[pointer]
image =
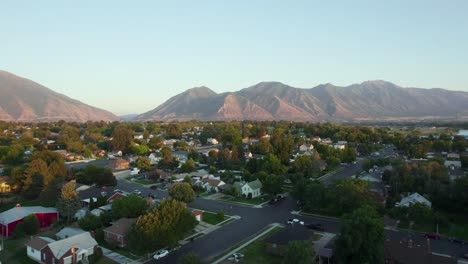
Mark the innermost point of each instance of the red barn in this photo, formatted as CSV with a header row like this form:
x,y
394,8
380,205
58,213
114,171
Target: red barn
x,y
10,218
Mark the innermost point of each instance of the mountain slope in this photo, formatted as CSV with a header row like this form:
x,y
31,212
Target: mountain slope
x,y
24,100
370,100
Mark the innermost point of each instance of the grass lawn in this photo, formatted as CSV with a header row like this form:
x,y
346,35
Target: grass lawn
x,y
255,252
212,218
205,194
144,181
254,201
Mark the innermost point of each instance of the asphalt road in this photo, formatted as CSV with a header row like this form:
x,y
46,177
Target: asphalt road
x,y
253,220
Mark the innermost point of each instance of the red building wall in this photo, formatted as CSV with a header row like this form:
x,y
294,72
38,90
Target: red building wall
x,y
45,220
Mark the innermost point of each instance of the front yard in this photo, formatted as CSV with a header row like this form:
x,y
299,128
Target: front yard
x,y
253,201
255,252
213,218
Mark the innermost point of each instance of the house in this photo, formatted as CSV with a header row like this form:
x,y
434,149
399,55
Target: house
x,y
253,188
4,184
306,147
115,196
35,245
212,141
463,133
180,155
414,198
120,164
117,232
453,155
212,185
67,232
277,243
408,251
198,215
452,164
10,218
339,145
74,249
155,158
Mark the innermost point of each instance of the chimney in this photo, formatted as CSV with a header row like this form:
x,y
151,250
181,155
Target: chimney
x,y
93,234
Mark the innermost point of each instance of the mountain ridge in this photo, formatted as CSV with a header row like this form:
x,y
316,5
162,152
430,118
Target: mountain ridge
x,y
368,100
25,100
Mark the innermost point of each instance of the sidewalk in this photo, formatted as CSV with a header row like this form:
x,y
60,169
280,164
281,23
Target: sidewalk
x,y
117,257
272,226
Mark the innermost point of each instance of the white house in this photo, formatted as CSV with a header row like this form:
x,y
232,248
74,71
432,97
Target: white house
x,y
245,188
414,198
306,147
67,232
452,164
35,245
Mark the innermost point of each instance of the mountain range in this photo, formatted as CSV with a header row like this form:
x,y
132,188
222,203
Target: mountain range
x,y
24,100
370,100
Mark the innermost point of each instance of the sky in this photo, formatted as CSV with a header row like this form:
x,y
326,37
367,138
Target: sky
x,y
130,56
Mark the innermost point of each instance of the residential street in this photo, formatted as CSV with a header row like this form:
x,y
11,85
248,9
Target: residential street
x,y
253,220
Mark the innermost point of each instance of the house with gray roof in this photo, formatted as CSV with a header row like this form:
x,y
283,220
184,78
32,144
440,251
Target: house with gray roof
x,y
254,188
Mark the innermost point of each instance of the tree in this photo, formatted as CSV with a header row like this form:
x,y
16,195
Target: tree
x,y
143,163
190,258
163,226
33,186
31,224
188,166
298,252
68,203
90,222
121,138
130,206
362,237
273,184
182,191
155,143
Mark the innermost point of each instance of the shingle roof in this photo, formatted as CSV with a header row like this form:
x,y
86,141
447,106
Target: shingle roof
x,y
121,226
18,213
81,241
255,184
39,242
69,232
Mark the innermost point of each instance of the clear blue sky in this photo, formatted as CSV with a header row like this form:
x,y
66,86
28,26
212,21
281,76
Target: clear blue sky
x,y
130,56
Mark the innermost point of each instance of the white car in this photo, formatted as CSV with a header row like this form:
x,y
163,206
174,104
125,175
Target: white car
x,y
238,255
295,221
137,192
233,259
161,254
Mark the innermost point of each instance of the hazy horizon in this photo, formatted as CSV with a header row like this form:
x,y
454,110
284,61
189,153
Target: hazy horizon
x,y
140,56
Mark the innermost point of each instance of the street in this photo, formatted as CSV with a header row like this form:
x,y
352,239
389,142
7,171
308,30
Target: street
x,y
253,220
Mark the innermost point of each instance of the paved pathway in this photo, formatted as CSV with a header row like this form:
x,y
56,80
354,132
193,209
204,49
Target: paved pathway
x,y
117,257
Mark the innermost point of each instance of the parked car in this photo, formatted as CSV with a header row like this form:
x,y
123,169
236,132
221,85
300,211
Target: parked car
x,y
273,201
233,259
117,190
295,221
154,187
432,236
161,254
317,227
238,255
456,240
279,197
137,192
465,256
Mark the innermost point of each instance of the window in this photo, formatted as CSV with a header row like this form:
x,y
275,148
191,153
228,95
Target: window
x,y
32,250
